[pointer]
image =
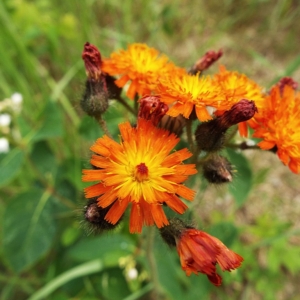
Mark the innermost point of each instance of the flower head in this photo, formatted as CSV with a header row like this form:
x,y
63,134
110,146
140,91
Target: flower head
x,y
235,86
278,123
141,171
198,251
187,92
139,64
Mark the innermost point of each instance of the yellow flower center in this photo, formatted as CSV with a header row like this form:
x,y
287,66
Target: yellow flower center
x,y
141,172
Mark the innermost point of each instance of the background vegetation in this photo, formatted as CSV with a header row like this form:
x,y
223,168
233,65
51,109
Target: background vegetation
x,y
45,252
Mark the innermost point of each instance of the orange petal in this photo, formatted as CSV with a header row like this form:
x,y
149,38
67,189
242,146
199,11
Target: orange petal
x,y
117,210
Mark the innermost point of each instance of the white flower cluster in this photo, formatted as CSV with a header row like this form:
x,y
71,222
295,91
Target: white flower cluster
x,y
9,106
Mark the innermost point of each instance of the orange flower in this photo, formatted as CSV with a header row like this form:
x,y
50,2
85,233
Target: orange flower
x,y
278,123
141,171
235,86
187,92
199,252
139,64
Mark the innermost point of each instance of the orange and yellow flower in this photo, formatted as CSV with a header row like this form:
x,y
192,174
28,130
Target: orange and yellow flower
x,y
139,171
139,64
199,252
278,123
186,92
235,86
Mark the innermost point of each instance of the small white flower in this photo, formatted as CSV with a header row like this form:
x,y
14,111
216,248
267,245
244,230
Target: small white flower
x,y
4,145
132,273
16,100
5,120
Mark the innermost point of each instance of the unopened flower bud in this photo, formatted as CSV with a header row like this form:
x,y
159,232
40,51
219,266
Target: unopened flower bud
x,y
210,136
217,169
99,86
242,111
92,61
173,124
95,216
152,109
287,81
206,61
95,98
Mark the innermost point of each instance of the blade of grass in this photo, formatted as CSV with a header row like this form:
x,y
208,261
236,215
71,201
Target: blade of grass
x,y
88,268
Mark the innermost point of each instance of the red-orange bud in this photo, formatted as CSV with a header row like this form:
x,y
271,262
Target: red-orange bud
x,y
92,61
242,111
206,61
287,81
152,109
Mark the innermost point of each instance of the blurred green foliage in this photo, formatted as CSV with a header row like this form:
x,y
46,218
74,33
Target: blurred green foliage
x,y
45,253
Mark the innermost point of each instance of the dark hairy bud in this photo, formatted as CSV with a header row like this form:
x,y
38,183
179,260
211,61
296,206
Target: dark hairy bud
x,y
173,231
217,169
95,216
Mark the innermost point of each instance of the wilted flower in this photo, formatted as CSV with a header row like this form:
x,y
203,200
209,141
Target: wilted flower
x,y
199,252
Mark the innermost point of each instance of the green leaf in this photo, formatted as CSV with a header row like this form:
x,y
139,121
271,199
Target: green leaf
x,y
43,158
10,165
242,182
28,228
169,271
89,129
52,123
106,246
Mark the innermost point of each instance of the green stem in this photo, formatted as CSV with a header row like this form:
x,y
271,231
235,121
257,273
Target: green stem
x,y
103,125
126,105
152,263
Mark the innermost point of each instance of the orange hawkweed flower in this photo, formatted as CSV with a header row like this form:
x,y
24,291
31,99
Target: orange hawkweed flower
x,y
141,171
278,123
139,64
187,92
199,252
235,86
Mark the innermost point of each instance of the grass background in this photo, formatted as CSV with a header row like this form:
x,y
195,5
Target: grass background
x,y
41,194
